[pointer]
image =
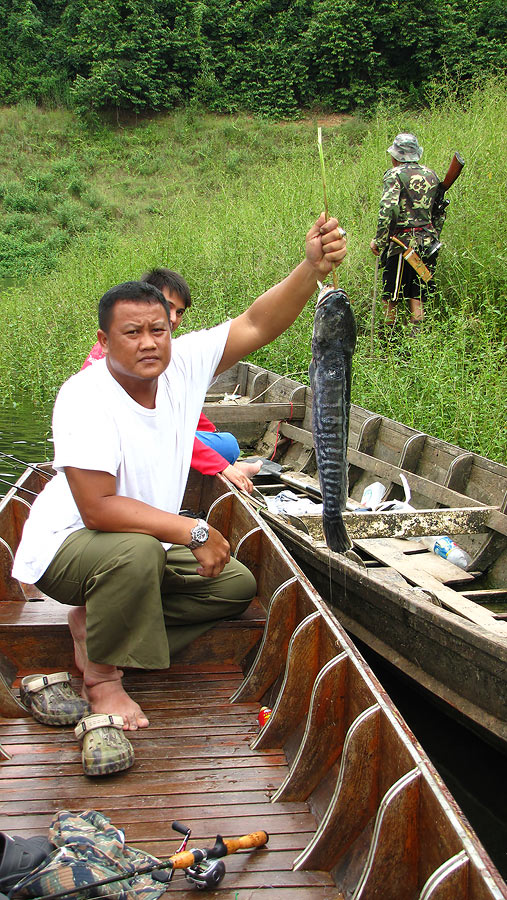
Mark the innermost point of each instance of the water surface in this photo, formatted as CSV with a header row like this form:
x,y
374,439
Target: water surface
x,y
25,433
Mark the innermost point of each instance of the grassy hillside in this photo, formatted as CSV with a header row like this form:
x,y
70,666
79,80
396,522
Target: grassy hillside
x,y
227,201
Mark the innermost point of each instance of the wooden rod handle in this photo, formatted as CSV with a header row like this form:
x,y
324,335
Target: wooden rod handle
x,y
247,842
185,858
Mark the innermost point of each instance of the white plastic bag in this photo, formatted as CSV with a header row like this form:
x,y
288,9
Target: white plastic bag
x,y
372,495
398,505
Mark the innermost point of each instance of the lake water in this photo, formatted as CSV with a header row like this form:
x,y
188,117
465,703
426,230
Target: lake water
x,y
25,433
473,771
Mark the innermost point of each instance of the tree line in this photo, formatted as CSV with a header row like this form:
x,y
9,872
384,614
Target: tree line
x,y
268,57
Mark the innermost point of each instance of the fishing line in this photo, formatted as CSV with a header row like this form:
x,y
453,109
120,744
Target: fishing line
x,y
329,575
25,464
118,893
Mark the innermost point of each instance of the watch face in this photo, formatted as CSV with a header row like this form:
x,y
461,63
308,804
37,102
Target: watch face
x,y
200,533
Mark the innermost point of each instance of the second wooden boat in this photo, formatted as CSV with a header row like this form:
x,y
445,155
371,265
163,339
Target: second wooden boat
x,y
443,627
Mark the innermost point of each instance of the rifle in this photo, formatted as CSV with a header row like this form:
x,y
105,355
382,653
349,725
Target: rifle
x,y
440,202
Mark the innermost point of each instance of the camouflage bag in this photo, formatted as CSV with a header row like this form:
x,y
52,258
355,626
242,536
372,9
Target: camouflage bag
x,y
90,849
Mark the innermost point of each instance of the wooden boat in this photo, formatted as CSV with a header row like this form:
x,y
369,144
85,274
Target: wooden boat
x,y
352,805
443,627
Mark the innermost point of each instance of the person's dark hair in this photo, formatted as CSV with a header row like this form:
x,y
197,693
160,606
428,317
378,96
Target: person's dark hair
x,y
130,290
166,278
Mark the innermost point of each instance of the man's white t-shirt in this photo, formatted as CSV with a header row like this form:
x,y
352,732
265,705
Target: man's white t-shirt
x,y
98,426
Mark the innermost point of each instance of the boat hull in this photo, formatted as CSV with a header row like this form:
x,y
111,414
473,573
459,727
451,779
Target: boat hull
x,y
461,664
421,614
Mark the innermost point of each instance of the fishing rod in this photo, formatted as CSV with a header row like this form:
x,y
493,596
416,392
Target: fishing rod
x,y
25,464
204,869
18,487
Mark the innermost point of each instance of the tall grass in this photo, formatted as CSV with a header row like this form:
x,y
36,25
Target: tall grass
x,y
227,202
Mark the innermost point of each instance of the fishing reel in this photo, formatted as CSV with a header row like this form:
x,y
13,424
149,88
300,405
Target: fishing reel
x,y
206,868
206,874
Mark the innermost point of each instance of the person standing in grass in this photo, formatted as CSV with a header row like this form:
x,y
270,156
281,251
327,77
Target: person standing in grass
x,y
214,451
105,536
406,206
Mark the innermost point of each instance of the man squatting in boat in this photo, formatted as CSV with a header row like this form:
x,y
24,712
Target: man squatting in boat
x,y
213,451
105,536
408,194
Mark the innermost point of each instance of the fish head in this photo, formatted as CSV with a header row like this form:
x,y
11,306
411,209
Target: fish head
x,y
324,290
334,318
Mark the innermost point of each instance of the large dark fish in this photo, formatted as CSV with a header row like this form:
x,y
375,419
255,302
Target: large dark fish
x,y
333,343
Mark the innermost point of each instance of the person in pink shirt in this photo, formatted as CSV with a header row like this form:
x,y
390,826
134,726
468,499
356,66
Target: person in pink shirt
x,y
214,451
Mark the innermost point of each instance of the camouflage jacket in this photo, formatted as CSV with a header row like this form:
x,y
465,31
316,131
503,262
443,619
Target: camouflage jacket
x,y
88,849
408,194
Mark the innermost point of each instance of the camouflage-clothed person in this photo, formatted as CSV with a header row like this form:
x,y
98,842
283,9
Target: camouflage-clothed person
x,y
408,213
89,849
408,193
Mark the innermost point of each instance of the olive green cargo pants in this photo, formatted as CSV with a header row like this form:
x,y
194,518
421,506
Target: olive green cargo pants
x,y
142,602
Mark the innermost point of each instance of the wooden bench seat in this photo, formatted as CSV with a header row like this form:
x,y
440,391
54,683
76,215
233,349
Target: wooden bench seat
x,y
35,633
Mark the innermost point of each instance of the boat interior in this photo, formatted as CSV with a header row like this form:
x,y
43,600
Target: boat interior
x,y
454,492
351,803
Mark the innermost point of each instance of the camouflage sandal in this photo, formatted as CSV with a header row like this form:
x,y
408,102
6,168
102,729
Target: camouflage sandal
x,y
106,749
52,700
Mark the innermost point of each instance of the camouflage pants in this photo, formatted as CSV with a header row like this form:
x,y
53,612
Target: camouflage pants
x,y
142,602
90,849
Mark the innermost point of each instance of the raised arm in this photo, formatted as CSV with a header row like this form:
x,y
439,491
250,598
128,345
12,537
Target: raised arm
x,y
275,310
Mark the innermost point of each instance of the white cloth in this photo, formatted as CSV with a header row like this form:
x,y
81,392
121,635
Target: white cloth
x,y
98,426
293,504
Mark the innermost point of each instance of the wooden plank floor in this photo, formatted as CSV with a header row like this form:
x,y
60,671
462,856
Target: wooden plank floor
x,y
193,763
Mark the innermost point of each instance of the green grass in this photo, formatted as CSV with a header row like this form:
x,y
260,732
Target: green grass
x,y
227,201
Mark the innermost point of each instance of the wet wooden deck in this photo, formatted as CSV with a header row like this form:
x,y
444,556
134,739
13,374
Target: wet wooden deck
x,y
193,764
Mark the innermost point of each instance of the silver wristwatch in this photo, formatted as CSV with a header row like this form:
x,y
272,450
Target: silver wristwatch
x,y
199,535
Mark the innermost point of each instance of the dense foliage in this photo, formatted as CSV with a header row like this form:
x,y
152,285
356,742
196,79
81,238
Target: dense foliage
x,y
226,200
271,57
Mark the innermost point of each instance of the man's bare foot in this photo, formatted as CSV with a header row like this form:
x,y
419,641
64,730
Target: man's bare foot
x,y
77,623
102,687
249,469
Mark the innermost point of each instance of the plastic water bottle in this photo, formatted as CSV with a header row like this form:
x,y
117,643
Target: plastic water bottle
x,y
447,549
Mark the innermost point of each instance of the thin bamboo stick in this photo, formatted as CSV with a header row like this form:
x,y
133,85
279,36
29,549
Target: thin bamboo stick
x,y
323,171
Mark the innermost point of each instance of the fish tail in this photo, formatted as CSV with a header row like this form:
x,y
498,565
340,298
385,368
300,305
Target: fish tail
x,y
336,535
